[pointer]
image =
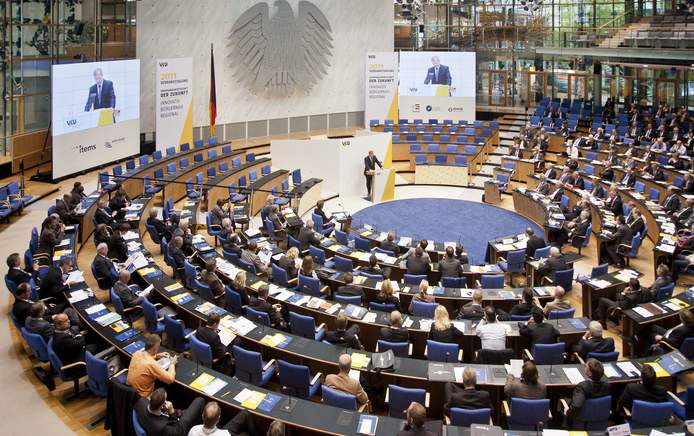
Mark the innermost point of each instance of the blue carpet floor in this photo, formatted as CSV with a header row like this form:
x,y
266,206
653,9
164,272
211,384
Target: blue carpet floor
x,y
440,219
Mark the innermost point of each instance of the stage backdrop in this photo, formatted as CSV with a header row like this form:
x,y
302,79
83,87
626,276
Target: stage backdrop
x,y
174,84
438,85
95,114
273,59
381,87
339,162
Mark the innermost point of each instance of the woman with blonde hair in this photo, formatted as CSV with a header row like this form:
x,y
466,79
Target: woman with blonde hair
x,y
442,329
423,295
307,267
385,294
288,262
239,286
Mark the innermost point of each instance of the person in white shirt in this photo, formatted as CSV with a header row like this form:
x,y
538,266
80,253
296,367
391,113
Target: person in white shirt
x,y
572,149
241,424
659,145
492,333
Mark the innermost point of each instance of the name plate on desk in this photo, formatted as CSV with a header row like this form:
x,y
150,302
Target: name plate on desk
x,y
619,430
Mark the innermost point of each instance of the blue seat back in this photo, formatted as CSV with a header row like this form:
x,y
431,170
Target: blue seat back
x,y
295,379
201,352
564,278
97,371
400,399
528,413
175,333
257,316
234,303
516,261
343,264
414,279
400,349
549,354
249,365
495,281
341,237
338,399
249,267
37,345
467,417
453,282
646,414
317,254
665,292
362,244
302,325
604,357
442,351
382,307
423,309
309,285
139,431
150,316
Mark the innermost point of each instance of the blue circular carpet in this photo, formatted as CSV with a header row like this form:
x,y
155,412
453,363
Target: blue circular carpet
x,y
445,220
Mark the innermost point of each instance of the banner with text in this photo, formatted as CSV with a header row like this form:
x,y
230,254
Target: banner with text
x,y
381,87
174,91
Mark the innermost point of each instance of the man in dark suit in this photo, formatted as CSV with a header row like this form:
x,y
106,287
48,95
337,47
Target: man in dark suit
x,y
68,345
208,334
101,93
53,283
468,397
647,390
671,203
538,331
636,222
633,295
438,74
473,310
161,228
37,321
593,387
348,337
613,202
611,243
685,213
117,248
126,294
177,255
418,264
629,178
390,245
350,289
534,242
157,416
555,262
106,271
21,308
395,332
260,304
593,342
416,416
676,335
103,215
307,236
370,163
607,173
598,191
65,211
449,266
14,271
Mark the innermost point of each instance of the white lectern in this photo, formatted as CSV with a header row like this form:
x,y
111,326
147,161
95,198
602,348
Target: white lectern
x,y
383,185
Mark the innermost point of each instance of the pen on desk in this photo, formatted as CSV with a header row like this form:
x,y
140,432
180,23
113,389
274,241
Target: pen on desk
x,y
225,394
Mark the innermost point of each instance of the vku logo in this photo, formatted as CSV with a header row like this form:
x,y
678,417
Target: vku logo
x,y
72,122
163,64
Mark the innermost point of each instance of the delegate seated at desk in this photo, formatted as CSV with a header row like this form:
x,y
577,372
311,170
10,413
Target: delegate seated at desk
x,y
422,296
344,383
144,370
560,302
538,331
473,310
593,387
646,390
492,333
593,342
394,332
342,335
469,397
555,262
612,241
633,295
442,329
349,289
418,264
157,416
528,386
675,336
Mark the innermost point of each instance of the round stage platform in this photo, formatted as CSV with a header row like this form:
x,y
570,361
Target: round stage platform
x,y
440,219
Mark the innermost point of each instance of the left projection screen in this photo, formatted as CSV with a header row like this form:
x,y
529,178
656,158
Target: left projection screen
x,y
95,114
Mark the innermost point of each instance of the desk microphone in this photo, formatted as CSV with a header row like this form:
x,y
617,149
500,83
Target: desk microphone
x,y
540,427
447,356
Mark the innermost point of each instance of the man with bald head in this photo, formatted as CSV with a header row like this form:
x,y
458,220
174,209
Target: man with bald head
x,y
69,345
343,383
416,416
560,301
395,332
126,294
555,262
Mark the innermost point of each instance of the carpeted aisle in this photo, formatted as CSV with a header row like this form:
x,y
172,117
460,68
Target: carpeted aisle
x,y
441,219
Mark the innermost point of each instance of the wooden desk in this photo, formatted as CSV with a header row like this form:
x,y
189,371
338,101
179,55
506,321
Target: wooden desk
x,y
441,174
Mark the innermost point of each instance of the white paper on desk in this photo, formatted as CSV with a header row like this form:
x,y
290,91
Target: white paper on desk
x,y
354,374
214,386
459,325
666,248
515,368
130,235
406,241
629,369
574,375
75,276
507,241
241,325
303,300
146,291
77,296
408,322
284,295
643,312
274,289
458,371
65,241
334,308
610,370
655,432
243,395
425,324
549,432
225,336
95,308
369,317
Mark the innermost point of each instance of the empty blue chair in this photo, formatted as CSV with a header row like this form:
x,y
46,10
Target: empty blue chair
x,y
130,164
176,334
414,279
37,345
105,184
648,415
432,148
201,352
198,143
520,317
198,157
382,307
640,187
362,244
683,404
338,399
250,157
343,264
311,286
653,194
562,314
665,292
415,148
631,251
423,309
341,237
257,316
542,252
212,140
604,357
265,170
185,146
514,263
453,282
400,349
399,399
153,322
97,371
442,351
420,159
71,372
223,167
467,417
211,173
296,177
184,163
528,413
305,326
348,299
296,380
251,368
318,255
233,301
150,189
226,149
170,151
492,281
549,354
440,158
461,160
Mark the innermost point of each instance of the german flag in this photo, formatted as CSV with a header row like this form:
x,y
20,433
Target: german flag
x,y
213,93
